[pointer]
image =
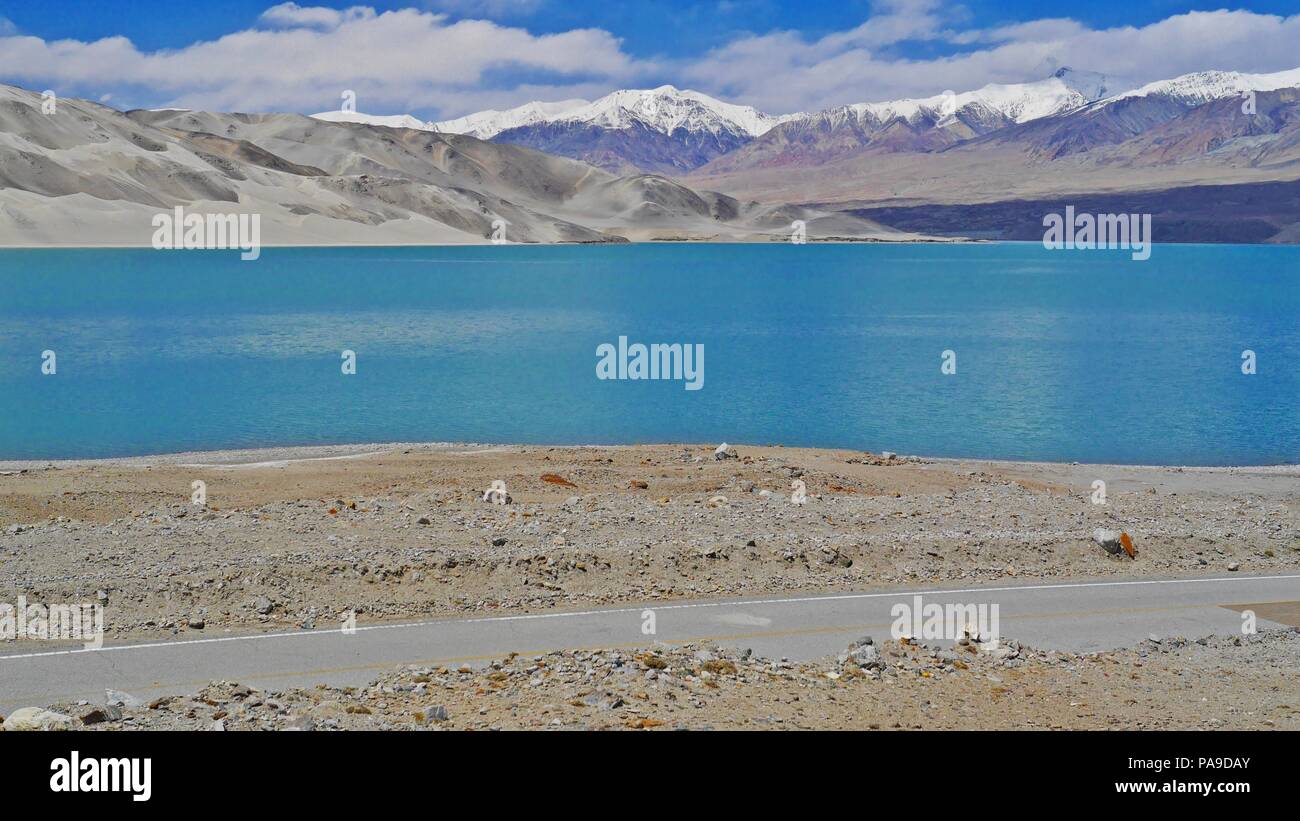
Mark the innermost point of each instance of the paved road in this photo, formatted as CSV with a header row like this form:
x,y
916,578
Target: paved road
x,y
1077,616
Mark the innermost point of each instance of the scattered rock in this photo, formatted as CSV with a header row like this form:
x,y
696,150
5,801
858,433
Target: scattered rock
x,y
725,451
1108,539
117,698
29,719
435,715
300,724
98,715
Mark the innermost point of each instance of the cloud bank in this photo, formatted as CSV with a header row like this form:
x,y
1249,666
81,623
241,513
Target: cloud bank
x,y
302,58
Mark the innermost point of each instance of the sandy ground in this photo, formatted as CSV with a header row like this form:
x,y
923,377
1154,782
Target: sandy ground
x,y
1245,683
292,537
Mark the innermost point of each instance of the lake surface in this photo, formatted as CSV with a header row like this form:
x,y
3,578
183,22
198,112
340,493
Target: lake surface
x,y
1061,355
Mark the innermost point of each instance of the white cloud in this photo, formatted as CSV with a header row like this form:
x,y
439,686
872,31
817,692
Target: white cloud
x,y
490,9
301,58
292,15
783,71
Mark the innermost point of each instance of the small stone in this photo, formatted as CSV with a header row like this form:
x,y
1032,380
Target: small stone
x,y
197,623
435,714
423,520
1234,567
1108,539
302,724
724,451
30,719
117,698
98,715
263,605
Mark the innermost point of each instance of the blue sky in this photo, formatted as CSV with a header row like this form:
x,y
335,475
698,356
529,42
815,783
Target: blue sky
x,y
442,58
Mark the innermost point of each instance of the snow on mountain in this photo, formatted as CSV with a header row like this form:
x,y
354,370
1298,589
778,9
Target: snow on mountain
x,y
1065,90
389,121
665,110
1204,86
487,124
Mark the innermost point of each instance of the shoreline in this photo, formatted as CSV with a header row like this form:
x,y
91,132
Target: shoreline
x,y
772,240
775,239
279,455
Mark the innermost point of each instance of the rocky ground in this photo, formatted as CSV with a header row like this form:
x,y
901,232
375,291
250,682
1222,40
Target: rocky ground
x,y
1247,682
294,539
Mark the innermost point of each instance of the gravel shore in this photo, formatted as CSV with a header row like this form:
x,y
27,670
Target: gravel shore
x,y
293,538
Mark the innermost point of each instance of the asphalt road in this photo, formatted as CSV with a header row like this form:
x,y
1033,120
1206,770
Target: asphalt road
x,y
1077,616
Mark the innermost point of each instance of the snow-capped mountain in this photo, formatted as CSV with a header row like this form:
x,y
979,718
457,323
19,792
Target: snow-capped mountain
x,y
389,121
487,124
910,125
665,110
678,132
661,130
992,106
1204,86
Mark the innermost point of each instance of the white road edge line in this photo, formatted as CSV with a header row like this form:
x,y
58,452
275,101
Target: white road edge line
x,y
613,611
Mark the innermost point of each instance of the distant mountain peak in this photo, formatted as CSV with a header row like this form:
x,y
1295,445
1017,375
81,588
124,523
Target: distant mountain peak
x,y
388,121
664,109
1065,90
1205,86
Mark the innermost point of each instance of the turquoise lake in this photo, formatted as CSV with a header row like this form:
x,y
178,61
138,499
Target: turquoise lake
x,y
1083,356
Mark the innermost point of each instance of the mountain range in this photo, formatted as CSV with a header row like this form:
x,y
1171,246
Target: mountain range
x,y
83,173
658,131
1215,153
665,130
1067,135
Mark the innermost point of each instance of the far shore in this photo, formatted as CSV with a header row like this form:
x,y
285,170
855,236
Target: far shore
x,y
764,240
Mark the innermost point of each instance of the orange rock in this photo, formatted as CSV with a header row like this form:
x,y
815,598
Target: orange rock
x,y
555,479
1128,545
